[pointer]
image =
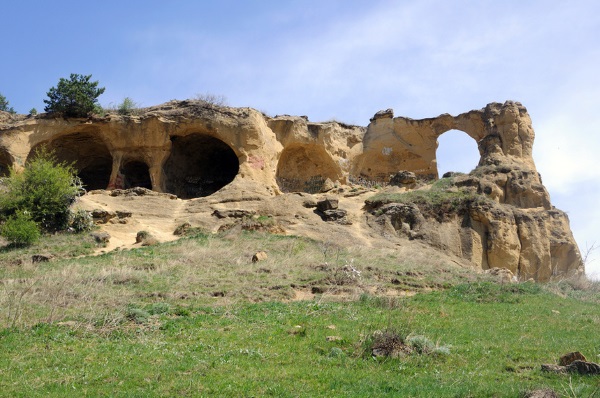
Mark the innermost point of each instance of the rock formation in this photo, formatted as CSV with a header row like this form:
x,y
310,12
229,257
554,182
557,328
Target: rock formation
x,y
193,149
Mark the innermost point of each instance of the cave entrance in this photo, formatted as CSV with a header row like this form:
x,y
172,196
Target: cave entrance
x,y
88,154
199,165
136,174
456,152
305,168
6,162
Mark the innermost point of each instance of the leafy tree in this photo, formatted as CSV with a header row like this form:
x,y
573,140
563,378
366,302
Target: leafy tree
x,y
44,190
76,97
4,105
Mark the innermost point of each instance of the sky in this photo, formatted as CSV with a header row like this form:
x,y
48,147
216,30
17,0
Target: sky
x,y
339,59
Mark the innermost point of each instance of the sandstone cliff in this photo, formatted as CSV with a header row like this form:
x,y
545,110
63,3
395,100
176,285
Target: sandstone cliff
x,y
499,215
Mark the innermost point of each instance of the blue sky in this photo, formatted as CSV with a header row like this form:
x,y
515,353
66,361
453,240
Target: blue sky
x,y
342,59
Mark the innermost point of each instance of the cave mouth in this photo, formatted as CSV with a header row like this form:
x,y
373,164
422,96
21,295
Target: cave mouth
x,y
305,168
87,153
136,174
5,163
199,165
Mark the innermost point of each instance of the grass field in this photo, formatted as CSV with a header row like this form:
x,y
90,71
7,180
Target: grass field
x,y
196,318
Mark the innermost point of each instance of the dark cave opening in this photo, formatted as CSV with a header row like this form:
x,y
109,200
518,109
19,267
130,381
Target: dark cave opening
x,y
136,174
199,165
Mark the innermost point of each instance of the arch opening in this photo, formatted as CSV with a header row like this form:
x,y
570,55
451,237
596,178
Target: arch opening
x,y
456,152
88,154
305,168
6,161
136,174
199,165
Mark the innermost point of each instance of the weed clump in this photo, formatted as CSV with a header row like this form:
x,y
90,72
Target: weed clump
x,y
137,315
394,343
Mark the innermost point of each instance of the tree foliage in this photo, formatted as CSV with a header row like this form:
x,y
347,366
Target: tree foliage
x,y
44,190
75,97
4,105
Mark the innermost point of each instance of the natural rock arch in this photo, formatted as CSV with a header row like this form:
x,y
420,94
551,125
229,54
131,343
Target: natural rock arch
x,y
305,168
135,174
199,165
456,151
6,161
87,153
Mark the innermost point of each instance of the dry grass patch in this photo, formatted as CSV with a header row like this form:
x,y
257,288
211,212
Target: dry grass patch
x,y
210,270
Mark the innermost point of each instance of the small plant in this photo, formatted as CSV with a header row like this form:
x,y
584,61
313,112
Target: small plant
x,y
75,97
127,107
212,99
393,343
137,315
421,344
81,220
33,112
20,230
159,308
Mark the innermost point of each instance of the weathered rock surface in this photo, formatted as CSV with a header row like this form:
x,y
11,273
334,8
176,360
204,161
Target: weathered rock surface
x,y
191,149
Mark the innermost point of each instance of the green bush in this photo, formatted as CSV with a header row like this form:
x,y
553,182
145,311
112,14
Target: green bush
x,y
33,112
45,190
127,107
20,230
76,97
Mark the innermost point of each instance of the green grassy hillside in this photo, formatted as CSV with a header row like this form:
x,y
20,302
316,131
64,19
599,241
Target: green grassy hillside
x,y
197,318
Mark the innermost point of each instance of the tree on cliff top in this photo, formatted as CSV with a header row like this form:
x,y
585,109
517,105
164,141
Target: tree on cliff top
x,y
76,97
4,105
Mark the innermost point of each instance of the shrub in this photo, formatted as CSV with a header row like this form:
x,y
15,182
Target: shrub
x,y
20,230
76,97
127,107
33,112
212,99
4,105
136,315
80,220
45,190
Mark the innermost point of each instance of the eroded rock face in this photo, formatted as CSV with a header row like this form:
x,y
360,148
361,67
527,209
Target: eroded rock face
x,y
194,149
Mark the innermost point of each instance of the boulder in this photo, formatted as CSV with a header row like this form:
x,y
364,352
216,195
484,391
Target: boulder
x,y
571,357
101,237
383,114
259,256
327,204
334,215
101,216
403,178
41,258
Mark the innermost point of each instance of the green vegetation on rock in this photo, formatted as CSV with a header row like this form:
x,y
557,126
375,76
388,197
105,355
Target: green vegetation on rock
x,y
74,97
4,105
